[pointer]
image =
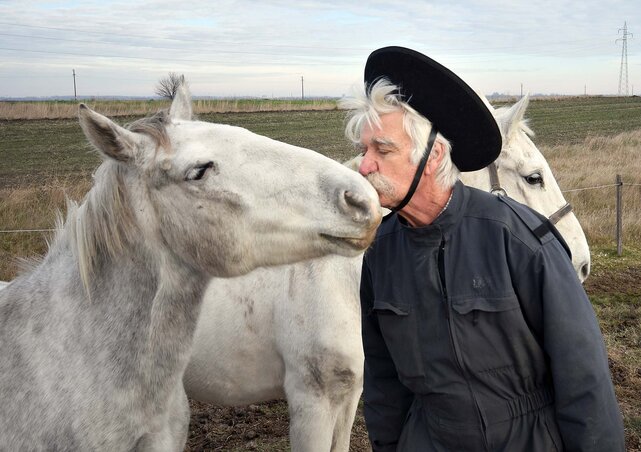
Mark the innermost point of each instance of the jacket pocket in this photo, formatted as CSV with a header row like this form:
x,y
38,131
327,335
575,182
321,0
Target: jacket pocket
x,y
499,304
399,327
494,338
386,308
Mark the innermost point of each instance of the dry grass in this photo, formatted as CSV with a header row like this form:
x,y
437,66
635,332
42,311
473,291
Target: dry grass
x,y
28,208
596,162
69,109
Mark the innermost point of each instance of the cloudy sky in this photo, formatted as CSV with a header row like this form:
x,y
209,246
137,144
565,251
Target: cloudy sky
x,y
263,48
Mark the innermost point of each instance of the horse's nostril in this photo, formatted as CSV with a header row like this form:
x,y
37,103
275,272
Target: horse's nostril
x,y
585,272
356,205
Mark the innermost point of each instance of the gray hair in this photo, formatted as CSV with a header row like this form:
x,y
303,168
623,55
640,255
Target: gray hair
x,y
383,97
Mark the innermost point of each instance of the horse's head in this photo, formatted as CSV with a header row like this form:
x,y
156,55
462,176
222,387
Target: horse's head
x,y
225,200
525,176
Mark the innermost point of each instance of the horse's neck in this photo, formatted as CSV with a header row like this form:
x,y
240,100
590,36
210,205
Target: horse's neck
x,y
162,300
478,179
139,309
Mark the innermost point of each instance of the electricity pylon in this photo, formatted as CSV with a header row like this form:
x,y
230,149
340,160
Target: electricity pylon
x,y
623,73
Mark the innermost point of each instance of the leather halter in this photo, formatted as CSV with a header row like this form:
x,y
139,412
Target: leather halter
x,y
496,189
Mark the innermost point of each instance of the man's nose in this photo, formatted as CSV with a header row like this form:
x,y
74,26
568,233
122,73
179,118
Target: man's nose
x,y
367,166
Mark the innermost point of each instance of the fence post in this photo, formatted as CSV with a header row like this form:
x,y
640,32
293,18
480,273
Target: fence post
x,y
619,184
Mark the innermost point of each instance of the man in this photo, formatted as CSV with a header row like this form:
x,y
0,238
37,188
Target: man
x,y
477,332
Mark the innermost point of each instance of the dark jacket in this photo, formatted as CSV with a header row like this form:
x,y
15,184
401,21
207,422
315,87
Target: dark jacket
x,y
479,336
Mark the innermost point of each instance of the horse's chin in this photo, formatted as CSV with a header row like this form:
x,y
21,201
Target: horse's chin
x,y
349,246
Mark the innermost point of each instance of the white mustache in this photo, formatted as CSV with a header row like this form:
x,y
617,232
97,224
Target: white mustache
x,y
382,185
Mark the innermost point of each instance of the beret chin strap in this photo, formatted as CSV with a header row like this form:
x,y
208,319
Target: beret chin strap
x,y
419,170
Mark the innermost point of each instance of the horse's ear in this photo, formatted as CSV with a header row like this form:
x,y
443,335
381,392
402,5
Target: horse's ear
x,y
181,105
513,116
108,137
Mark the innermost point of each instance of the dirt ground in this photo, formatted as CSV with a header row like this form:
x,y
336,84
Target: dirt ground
x,y
262,427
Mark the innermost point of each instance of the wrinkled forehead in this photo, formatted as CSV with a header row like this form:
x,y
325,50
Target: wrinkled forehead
x,y
389,129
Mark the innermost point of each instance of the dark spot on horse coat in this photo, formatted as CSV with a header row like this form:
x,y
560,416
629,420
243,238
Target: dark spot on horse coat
x,y
344,375
315,375
248,312
249,305
329,375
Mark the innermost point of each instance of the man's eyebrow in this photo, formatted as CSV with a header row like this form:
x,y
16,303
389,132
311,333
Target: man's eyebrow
x,y
384,142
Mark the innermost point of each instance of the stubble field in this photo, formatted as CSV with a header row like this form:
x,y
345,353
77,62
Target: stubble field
x,y
587,141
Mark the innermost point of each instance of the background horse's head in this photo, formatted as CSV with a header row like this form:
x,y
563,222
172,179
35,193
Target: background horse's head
x,y
221,198
524,175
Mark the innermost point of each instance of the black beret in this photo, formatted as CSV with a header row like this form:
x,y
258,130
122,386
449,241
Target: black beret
x,y
444,99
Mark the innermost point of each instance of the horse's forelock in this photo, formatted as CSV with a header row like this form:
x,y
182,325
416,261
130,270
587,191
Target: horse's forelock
x,y
153,126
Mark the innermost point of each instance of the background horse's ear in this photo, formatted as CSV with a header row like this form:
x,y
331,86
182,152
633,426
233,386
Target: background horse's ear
x,y
108,137
510,119
181,105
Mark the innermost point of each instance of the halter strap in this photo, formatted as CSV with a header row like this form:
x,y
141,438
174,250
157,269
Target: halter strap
x,y
419,170
496,189
556,216
494,180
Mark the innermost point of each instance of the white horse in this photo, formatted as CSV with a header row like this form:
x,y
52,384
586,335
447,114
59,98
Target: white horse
x,y
95,339
522,173
295,331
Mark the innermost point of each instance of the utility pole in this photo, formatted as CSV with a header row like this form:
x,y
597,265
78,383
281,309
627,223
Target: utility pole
x,y
75,98
623,73
521,90
302,88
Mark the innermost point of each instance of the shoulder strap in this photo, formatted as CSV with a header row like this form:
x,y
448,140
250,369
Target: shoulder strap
x,y
536,222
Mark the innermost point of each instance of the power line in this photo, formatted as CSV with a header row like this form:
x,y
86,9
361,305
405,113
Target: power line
x,y
233,43
181,60
560,47
138,46
623,72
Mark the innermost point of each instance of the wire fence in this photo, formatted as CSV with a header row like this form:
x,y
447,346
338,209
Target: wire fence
x,y
619,184
19,231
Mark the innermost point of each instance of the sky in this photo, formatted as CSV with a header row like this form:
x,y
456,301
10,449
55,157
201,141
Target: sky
x,y
283,48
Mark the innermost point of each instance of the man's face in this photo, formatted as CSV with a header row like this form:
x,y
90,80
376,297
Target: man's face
x,y
386,158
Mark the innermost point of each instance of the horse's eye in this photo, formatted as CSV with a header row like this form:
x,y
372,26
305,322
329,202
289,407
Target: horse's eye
x,y
534,179
198,172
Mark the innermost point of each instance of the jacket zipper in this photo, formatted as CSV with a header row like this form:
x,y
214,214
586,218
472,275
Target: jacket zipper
x,y
457,355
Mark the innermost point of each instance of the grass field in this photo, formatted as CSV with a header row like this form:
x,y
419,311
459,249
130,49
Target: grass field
x,y
586,140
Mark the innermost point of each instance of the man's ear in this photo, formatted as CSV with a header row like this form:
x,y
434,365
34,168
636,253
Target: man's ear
x,y
435,158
